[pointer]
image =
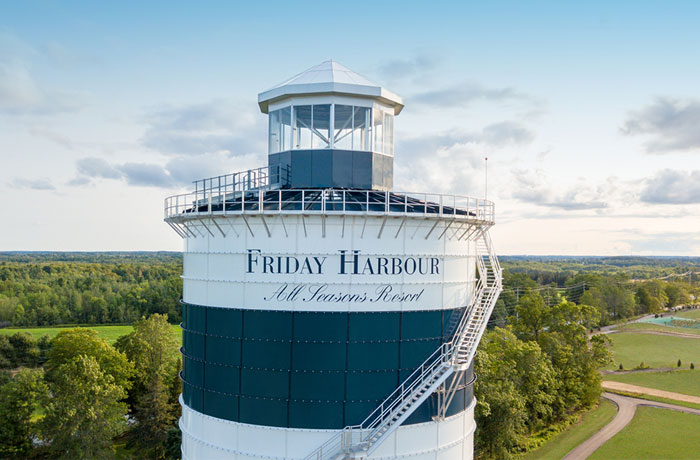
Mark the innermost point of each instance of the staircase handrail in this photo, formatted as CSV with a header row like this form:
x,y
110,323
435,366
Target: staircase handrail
x,y
356,438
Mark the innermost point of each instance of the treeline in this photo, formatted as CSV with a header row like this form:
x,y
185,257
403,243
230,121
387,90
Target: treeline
x,y
616,297
88,394
556,269
45,290
535,374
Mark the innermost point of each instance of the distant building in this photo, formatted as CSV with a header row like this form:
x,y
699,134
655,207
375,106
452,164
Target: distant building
x,y
326,316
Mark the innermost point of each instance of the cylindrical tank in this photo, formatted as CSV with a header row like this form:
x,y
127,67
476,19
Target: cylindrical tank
x,y
313,308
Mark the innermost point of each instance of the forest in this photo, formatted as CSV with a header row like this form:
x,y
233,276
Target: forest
x,y
537,365
46,289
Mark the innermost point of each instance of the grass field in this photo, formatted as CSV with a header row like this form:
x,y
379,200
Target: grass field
x,y
654,434
109,333
692,314
655,350
658,328
686,382
562,443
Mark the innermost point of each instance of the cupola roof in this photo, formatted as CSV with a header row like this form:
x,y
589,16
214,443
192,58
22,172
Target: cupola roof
x,y
329,77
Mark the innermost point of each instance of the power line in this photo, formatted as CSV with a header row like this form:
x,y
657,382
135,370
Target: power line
x,y
551,296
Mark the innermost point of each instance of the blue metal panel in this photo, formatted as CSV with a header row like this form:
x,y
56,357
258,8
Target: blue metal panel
x,y
371,385
329,386
305,369
301,168
220,405
322,168
342,169
222,350
362,169
306,414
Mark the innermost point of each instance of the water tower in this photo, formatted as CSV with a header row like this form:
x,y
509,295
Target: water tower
x,y
325,315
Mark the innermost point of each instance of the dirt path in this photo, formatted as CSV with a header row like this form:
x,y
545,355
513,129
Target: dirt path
x,y
626,408
629,388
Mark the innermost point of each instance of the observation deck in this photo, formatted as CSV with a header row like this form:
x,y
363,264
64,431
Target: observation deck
x,y
265,191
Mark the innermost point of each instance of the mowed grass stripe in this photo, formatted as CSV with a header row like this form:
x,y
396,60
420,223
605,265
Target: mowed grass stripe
x,y
630,349
562,443
692,314
654,434
109,333
686,382
658,328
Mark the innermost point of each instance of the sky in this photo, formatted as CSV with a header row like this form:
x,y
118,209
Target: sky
x,y
588,112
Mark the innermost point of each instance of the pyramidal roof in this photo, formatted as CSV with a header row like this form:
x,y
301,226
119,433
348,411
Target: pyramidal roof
x,y
328,77
328,72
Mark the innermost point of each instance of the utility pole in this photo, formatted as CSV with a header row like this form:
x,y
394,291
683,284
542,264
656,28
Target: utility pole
x,y
486,177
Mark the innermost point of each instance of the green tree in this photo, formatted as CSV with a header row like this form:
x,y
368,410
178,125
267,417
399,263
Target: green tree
x,y
7,353
173,443
530,318
85,342
574,356
18,399
155,417
175,390
524,364
154,352
677,294
651,296
500,412
152,348
83,411
26,350
612,298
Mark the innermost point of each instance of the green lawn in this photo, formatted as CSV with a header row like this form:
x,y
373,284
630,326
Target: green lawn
x,y
630,349
574,435
686,382
692,314
658,328
109,333
654,434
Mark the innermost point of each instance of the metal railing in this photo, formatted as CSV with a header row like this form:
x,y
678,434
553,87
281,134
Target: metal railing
x,y
266,177
224,199
359,441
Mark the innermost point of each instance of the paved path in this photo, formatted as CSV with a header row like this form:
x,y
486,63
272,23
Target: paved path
x,y
626,409
651,370
619,386
613,329
643,331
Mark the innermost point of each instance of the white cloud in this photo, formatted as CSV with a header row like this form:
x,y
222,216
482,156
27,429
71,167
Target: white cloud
x,y
670,124
33,184
672,187
216,126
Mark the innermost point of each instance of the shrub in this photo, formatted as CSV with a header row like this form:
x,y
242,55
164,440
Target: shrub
x,y
679,363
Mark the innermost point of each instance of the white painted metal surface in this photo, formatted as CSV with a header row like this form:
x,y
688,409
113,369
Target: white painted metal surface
x,y
205,437
329,77
441,265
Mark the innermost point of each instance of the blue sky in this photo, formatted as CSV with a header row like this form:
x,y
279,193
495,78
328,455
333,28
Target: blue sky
x,y
589,112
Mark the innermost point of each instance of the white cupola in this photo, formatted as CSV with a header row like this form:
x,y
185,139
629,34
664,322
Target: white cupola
x,y
332,127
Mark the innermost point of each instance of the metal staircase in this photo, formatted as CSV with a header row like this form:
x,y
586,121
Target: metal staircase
x,y
359,441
